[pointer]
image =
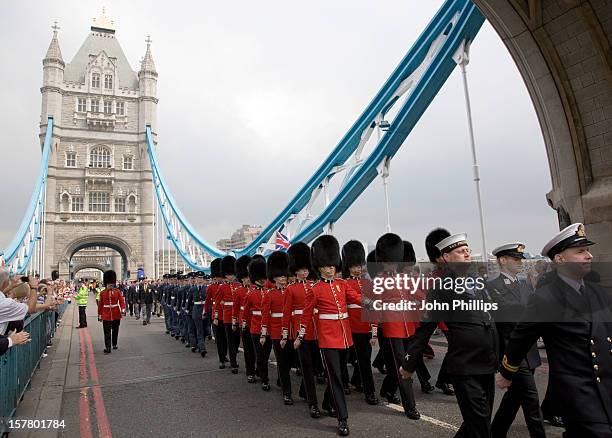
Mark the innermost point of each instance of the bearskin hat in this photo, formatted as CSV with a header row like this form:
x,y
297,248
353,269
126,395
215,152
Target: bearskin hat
x,y
409,255
325,251
278,265
109,277
257,270
389,249
433,238
372,266
353,254
258,257
299,257
228,266
241,267
215,268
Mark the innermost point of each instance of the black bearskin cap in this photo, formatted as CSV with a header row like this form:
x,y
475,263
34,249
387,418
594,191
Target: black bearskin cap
x,y
389,249
373,267
433,238
409,255
241,267
215,268
325,251
228,266
257,270
353,254
299,257
110,277
258,257
278,265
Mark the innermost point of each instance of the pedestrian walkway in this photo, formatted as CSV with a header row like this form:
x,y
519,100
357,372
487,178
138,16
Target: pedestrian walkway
x,y
154,386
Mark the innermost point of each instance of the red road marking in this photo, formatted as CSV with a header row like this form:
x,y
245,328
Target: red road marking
x,y
84,416
104,429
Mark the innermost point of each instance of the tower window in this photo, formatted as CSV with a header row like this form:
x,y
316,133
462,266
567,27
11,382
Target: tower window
x,y
95,80
128,162
70,159
77,203
100,157
120,108
108,82
95,106
108,107
99,201
119,205
82,104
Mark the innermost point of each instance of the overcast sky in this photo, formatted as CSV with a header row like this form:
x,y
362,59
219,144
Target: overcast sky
x,y
254,95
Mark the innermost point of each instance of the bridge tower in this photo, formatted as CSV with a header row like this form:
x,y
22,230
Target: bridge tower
x,y
99,191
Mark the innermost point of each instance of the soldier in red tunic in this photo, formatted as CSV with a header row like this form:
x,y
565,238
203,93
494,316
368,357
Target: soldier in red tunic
x,y
251,315
226,293
272,317
110,307
212,307
364,333
295,297
331,297
240,298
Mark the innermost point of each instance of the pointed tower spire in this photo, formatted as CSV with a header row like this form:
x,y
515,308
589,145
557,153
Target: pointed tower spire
x,y
54,53
147,64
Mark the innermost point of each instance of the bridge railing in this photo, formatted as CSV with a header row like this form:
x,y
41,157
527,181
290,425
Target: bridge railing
x,y
18,364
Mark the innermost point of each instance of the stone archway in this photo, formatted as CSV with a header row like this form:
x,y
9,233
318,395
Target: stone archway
x,y
112,242
563,52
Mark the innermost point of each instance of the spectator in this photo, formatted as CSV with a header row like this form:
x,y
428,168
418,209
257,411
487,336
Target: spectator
x,y
12,340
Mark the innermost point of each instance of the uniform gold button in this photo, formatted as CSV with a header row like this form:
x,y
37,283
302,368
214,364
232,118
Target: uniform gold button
x,y
592,342
593,354
609,339
596,367
598,380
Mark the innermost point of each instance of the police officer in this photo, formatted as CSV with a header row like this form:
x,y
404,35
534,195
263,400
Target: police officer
x,y
511,295
473,343
574,317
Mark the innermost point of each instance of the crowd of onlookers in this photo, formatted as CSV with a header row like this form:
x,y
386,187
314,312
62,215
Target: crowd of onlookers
x,y
20,298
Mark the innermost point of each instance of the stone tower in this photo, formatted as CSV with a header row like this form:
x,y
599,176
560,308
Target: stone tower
x,y
99,191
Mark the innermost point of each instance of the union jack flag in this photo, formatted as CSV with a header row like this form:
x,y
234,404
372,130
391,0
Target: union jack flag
x,y
282,243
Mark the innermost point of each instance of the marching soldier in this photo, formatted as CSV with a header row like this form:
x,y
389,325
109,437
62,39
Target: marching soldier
x,y
331,297
574,317
396,329
242,273
272,316
511,295
111,306
295,296
212,303
364,333
190,291
251,318
226,293
472,347
197,314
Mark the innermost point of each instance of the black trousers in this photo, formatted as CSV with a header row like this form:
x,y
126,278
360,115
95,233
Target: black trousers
x,y
221,341
585,430
111,332
394,355
333,360
475,398
82,316
249,352
307,354
523,393
283,361
362,375
262,355
443,377
233,342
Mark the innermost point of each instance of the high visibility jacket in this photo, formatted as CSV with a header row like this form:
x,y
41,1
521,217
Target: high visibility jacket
x,y
82,296
98,290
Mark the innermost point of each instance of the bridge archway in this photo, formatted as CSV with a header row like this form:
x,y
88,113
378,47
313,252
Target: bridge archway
x,y
77,269
106,241
563,52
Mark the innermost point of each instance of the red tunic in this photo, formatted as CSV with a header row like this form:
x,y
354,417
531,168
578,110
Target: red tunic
x,y
272,313
330,297
240,295
227,292
397,324
217,305
111,304
251,315
295,297
354,310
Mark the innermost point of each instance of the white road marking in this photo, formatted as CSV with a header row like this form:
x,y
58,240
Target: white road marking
x,y
426,418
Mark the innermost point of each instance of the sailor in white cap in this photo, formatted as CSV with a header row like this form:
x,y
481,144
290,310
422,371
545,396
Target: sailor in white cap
x,y
512,295
472,341
574,318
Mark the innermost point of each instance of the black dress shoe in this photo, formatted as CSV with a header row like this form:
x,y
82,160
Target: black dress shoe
x,y
251,379
222,365
427,388
235,370
554,420
203,353
177,337
314,411
445,388
107,351
114,347
187,345
413,414
144,322
391,398
265,386
167,331
330,411
343,429
287,400
371,399
182,339
193,349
